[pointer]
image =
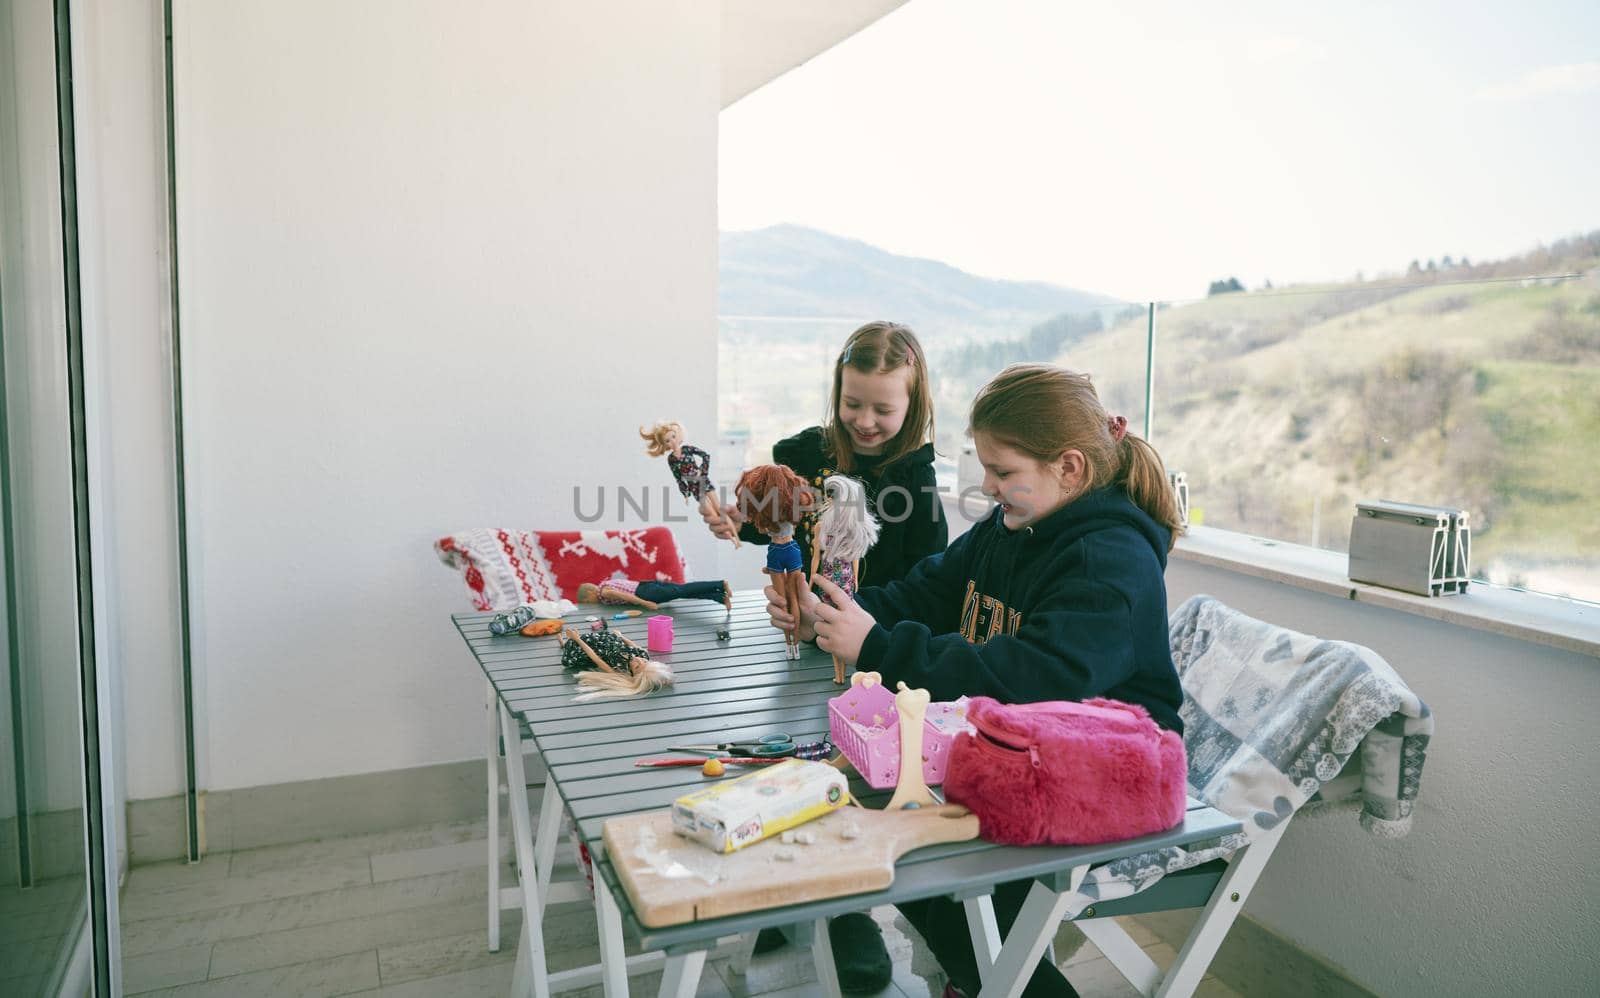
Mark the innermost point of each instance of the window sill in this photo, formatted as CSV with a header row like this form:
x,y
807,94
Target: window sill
x,y
1546,620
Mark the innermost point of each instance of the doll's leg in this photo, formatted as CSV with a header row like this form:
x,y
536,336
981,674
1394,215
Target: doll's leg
x,y
791,592
664,592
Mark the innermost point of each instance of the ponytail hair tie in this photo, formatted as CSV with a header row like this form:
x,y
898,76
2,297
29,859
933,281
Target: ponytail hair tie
x,y
1118,427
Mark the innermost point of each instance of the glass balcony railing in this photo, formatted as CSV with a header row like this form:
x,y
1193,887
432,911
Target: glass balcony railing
x,y
1284,408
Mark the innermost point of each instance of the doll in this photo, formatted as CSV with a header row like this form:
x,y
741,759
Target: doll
x,y
650,595
846,530
609,665
690,465
773,499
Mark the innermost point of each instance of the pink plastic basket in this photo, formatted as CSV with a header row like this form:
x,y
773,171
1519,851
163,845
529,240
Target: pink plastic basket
x,y
865,727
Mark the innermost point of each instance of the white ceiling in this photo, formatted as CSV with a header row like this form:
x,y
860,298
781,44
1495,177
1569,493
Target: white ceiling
x,y
763,39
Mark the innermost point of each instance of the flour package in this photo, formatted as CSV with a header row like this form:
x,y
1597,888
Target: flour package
x,y
735,813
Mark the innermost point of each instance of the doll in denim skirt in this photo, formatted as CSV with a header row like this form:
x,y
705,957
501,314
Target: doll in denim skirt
x,y
772,498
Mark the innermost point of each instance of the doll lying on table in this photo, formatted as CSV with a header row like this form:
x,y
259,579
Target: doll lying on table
x,y
609,665
650,594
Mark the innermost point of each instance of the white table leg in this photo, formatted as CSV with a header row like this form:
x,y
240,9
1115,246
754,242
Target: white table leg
x,y
822,956
985,933
739,963
544,847
681,978
532,942
1244,867
493,759
613,960
1025,943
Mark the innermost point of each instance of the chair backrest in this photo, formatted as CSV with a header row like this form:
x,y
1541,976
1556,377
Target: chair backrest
x,y
504,567
1272,716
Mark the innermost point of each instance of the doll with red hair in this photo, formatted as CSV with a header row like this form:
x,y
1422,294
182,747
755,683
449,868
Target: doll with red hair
x,y
772,498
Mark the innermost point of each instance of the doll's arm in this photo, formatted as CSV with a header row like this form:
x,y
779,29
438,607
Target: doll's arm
x,y
635,599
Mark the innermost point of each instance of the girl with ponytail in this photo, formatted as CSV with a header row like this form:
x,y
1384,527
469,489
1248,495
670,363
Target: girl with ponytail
x,y
1057,595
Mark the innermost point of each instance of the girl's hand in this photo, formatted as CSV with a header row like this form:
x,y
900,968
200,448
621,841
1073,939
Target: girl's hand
x,y
724,525
841,624
778,610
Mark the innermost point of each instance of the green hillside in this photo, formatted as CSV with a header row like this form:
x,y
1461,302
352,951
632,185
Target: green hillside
x,y
1287,407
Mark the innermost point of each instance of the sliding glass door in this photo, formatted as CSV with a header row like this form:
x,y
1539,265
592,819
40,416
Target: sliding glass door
x,y
46,912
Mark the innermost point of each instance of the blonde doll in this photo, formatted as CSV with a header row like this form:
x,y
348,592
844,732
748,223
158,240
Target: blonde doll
x,y
691,468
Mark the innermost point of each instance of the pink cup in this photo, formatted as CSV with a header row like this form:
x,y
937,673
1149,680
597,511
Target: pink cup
x,y
658,635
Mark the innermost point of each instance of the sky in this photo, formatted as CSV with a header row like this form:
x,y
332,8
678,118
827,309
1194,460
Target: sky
x,y
1144,149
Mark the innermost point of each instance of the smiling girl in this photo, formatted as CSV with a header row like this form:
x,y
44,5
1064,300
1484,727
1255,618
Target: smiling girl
x,y
879,429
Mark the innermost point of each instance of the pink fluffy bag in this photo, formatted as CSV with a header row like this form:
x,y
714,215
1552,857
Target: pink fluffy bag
x,y
1067,773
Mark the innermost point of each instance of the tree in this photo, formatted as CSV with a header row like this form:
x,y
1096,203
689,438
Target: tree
x,y
1224,287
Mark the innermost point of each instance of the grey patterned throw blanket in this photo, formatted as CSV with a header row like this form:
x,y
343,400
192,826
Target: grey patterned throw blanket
x,y
1273,720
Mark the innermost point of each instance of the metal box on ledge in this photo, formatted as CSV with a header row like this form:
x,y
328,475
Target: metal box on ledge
x,y
1180,489
1425,550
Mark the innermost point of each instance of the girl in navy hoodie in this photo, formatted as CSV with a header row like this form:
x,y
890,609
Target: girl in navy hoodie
x,y
1057,595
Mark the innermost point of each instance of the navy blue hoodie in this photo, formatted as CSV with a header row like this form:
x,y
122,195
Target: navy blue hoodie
x,y
1071,607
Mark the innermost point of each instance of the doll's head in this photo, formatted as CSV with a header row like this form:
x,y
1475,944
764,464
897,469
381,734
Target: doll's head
x,y
770,495
846,528
1045,439
588,592
661,438
881,404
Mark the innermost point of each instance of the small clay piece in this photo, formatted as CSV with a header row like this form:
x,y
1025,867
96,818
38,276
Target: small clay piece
x,y
787,855
910,805
849,833
540,628
713,767
787,838
805,838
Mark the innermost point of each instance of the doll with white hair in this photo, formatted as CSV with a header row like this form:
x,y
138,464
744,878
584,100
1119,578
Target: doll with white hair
x,y
846,530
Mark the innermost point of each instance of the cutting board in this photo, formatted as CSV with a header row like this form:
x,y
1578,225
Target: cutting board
x,y
672,880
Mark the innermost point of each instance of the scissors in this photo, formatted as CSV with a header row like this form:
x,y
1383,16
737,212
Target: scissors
x,y
767,747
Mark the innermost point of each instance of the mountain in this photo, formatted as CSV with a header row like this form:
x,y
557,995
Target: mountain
x,y
792,272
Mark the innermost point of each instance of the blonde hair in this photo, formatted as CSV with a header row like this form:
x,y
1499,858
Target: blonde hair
x,y
846,528
1044,411
656,437
876,348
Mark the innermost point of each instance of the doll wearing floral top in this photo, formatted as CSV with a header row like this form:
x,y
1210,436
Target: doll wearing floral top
x,y
846,530
690,467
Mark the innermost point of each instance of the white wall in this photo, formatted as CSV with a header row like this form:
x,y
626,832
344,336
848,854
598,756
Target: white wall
x,y
436,264
1493,890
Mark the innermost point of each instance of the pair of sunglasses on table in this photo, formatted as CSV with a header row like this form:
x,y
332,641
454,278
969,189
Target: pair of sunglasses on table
x,y
775,747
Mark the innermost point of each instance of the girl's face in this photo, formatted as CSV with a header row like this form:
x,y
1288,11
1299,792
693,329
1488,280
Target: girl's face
x,y
873,407
1027,489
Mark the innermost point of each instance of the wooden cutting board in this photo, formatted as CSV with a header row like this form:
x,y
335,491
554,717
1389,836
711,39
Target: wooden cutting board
x,y
672,880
